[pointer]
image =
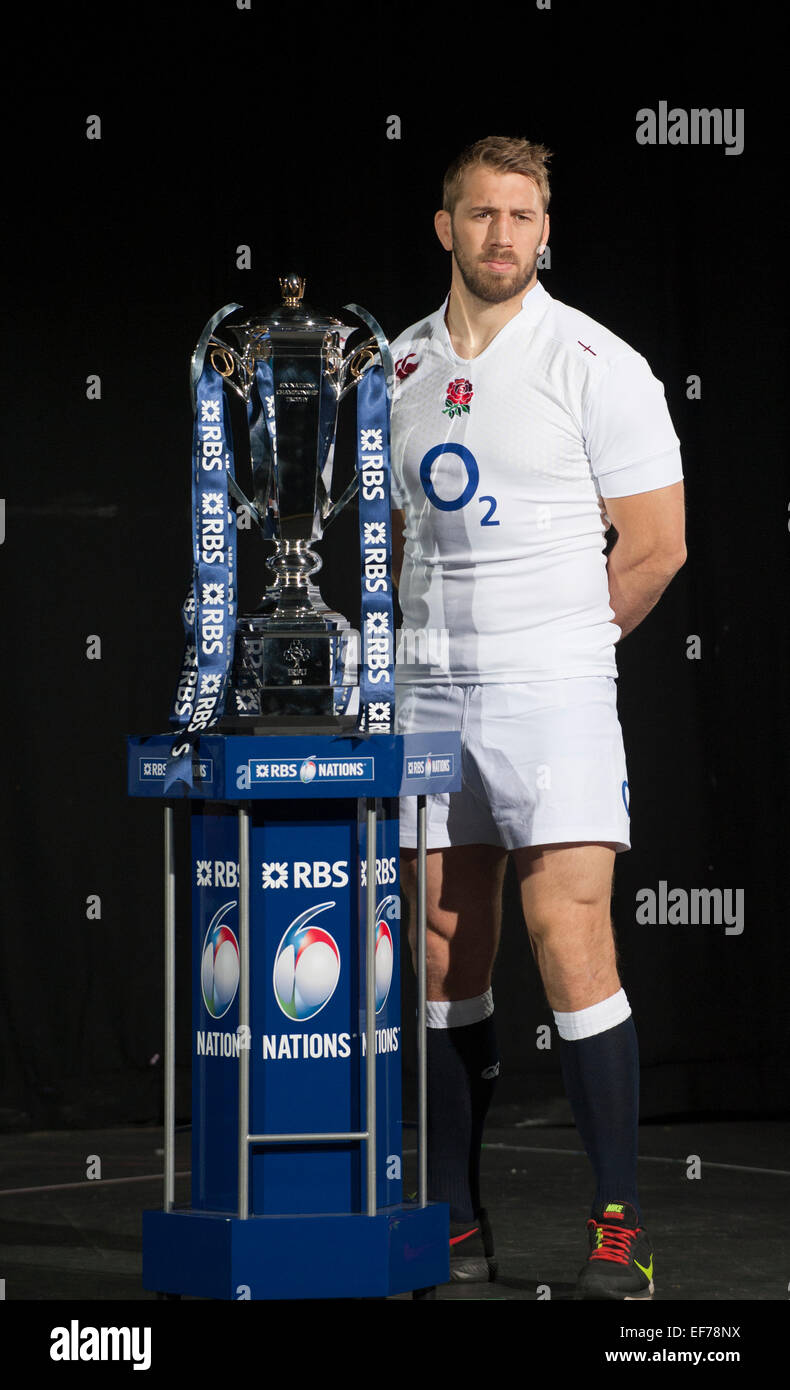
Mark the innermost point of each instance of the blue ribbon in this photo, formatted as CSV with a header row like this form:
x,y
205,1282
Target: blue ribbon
x,y
210,609
263,457
377,677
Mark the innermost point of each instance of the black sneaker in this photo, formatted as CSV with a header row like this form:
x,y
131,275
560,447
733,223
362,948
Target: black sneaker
x,y
472,1258
620,1262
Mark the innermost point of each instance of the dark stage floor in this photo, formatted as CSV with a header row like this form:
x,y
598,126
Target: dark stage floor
x,y
719,1236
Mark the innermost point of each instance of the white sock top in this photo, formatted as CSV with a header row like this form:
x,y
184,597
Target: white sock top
x,y
458,1013
585,1023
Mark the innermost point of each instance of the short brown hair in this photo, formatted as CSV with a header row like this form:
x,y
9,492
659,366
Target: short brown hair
x,y
504,154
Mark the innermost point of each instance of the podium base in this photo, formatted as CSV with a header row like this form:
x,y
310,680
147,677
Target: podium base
x,y
214,1255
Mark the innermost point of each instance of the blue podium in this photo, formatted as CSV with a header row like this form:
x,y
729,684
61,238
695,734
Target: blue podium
x,y
296,1138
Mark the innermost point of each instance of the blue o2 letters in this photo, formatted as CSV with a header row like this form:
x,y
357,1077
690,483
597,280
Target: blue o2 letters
x,y
472,480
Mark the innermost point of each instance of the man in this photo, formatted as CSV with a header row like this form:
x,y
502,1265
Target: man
x,y
522,430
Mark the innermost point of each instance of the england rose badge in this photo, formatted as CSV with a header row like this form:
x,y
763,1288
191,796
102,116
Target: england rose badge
x,y
459,394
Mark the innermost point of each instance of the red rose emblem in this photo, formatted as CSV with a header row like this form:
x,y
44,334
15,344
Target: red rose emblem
x,y
459,394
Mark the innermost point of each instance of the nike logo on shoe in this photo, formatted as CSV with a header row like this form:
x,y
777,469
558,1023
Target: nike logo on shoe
x,y
465,1236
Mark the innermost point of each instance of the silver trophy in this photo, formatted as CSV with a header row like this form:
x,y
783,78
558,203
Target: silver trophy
x,y
292,654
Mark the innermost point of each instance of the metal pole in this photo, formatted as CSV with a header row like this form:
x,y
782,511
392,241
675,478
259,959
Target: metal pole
x,y
302,1138
170,1014
370,1005
244,1012
422,975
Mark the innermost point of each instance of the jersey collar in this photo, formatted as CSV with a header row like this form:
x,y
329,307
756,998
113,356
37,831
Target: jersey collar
x,y
533,307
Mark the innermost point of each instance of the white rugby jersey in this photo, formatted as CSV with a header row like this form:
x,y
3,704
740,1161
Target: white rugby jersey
x,y
499,463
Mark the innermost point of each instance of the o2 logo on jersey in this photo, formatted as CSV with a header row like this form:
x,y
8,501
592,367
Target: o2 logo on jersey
x,y
454,504
306,967
387,911
219,969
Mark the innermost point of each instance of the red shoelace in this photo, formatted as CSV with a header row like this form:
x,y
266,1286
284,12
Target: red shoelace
x,y
614,1242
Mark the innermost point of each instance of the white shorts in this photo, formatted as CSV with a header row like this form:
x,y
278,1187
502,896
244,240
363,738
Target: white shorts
x,y
543,763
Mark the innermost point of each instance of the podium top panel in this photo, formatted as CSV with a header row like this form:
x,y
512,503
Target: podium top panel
x,y
238,767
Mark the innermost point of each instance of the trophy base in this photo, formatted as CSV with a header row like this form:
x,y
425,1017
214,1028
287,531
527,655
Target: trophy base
x,y
287,671
288,725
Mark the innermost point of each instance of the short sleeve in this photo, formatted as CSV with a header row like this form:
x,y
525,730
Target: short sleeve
x,y
630,441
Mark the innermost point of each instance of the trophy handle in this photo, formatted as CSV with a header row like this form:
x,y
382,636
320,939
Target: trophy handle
x,y
231,366
358,362
352,370
356,365
202,345
381,343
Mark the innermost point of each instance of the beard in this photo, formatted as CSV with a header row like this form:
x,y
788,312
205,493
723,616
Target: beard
x,y
490,287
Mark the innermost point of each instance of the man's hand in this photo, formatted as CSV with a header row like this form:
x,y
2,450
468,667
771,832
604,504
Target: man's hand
x,y
650,549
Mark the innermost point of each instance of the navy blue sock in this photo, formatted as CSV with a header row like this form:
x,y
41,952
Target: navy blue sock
x,y
459,1094
602,1084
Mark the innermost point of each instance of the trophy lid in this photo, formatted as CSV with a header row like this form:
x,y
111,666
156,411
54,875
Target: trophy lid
x,y
293,314
288,321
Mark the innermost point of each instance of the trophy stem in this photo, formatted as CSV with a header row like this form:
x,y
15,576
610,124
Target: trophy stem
x,y
293,564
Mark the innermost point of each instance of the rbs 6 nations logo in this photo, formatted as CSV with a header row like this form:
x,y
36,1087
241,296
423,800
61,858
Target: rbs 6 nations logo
x,y
219,974
387,911
307,964
306,967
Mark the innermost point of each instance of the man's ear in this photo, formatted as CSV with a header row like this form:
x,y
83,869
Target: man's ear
x,y
444,229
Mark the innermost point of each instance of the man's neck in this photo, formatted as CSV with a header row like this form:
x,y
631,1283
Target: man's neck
x,y
473,323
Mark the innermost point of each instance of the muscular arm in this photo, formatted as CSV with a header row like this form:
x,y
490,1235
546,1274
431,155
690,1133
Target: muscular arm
x,y
398,522
650,549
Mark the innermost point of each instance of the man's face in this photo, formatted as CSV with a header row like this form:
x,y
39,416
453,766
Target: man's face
x,y
494,233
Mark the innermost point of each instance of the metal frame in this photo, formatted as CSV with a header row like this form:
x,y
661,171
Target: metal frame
x,y
368,1135
170,1014
244,1013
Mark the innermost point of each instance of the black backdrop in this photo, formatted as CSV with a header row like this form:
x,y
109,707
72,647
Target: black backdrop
x,y
224,126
